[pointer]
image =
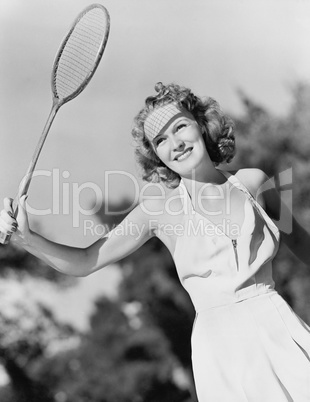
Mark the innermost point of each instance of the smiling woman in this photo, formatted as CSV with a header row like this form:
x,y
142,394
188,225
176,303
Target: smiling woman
x,y
222,242
202,121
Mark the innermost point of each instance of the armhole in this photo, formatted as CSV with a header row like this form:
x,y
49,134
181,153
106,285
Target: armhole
x,y
260,207
237,180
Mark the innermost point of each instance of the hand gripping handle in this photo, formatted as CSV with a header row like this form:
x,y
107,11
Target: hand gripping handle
x,y
6,237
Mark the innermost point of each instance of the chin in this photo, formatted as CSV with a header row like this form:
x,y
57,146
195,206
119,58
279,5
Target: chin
x,y
187,171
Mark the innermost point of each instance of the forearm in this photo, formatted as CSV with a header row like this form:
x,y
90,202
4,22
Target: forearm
x,y
65,259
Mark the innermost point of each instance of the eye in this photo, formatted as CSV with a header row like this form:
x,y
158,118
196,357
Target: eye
x,y
158,141
180,126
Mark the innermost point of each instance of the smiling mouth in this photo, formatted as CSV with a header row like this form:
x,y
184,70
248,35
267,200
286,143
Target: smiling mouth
x,y
184,155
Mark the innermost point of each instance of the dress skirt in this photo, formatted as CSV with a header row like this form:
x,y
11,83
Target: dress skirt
x,y
255,350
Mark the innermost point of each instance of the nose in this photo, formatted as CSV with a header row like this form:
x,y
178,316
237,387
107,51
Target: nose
x,y
177,144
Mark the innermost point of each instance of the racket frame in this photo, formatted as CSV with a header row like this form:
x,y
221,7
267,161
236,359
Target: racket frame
x,y
96,63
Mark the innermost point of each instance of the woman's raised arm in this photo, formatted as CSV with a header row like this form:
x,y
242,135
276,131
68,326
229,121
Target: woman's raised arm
x,y
125,238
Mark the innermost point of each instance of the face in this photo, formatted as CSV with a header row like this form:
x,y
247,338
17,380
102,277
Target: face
x,y
180,146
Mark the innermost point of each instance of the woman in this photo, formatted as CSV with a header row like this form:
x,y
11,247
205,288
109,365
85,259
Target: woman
x,y
247,344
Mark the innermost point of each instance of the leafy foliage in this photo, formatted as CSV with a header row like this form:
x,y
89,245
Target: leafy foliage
x,y
28,334
276,144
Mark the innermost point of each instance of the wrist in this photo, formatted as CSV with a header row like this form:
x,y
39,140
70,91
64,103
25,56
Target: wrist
x,y
29,238
26,239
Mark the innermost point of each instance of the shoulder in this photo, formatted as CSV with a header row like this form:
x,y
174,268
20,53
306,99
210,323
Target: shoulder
x,y
258,184
253,179
263,189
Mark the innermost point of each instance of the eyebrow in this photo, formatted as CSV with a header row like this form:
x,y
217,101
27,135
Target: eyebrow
x,y
173,124
155,138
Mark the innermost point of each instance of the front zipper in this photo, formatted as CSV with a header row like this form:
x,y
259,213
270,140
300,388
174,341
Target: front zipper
x,y
234,243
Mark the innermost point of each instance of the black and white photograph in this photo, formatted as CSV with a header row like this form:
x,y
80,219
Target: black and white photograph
x,y
154,201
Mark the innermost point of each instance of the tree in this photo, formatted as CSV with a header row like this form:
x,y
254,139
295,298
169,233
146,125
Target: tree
x,y
276,144
28,330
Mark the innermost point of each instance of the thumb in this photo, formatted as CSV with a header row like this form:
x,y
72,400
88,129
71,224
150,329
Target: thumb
x,y
22,216
22,219
23,200
22,206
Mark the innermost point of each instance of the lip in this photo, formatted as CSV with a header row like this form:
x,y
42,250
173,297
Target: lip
x,y
184,152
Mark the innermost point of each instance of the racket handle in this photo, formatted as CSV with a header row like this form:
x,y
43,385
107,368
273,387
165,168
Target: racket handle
x,y
5,238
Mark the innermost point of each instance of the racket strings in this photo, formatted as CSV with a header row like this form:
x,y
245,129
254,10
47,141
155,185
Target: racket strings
x,y
78,57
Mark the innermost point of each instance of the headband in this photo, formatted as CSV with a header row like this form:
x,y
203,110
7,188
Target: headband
x,y
159,118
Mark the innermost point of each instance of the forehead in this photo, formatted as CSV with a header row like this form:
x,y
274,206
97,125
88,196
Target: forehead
x,y
160,118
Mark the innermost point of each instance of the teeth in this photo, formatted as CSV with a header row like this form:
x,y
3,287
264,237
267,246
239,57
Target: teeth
x,y
184,155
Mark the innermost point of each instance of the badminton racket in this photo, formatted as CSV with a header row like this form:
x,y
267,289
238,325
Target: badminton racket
x,y
75,64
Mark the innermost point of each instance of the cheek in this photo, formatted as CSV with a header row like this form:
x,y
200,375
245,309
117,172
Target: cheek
x,y
195,133
162,155
199,133
163,150
201,137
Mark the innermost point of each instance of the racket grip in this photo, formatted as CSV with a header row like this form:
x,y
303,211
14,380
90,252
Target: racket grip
x,y
5,238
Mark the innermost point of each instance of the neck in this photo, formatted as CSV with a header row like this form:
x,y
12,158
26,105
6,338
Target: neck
x,y
209,174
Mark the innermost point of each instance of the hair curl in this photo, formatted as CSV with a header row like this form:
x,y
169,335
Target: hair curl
x,y
216,127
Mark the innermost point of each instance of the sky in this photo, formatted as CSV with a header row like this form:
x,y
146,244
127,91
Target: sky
x,y
215,47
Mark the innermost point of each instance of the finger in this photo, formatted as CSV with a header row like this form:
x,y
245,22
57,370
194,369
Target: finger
x,y
8,205
6,217
6,227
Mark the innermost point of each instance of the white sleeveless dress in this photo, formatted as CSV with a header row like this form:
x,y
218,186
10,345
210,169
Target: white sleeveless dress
x,y
247,343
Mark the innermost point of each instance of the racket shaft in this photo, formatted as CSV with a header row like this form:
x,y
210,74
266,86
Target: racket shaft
x,y
25,183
